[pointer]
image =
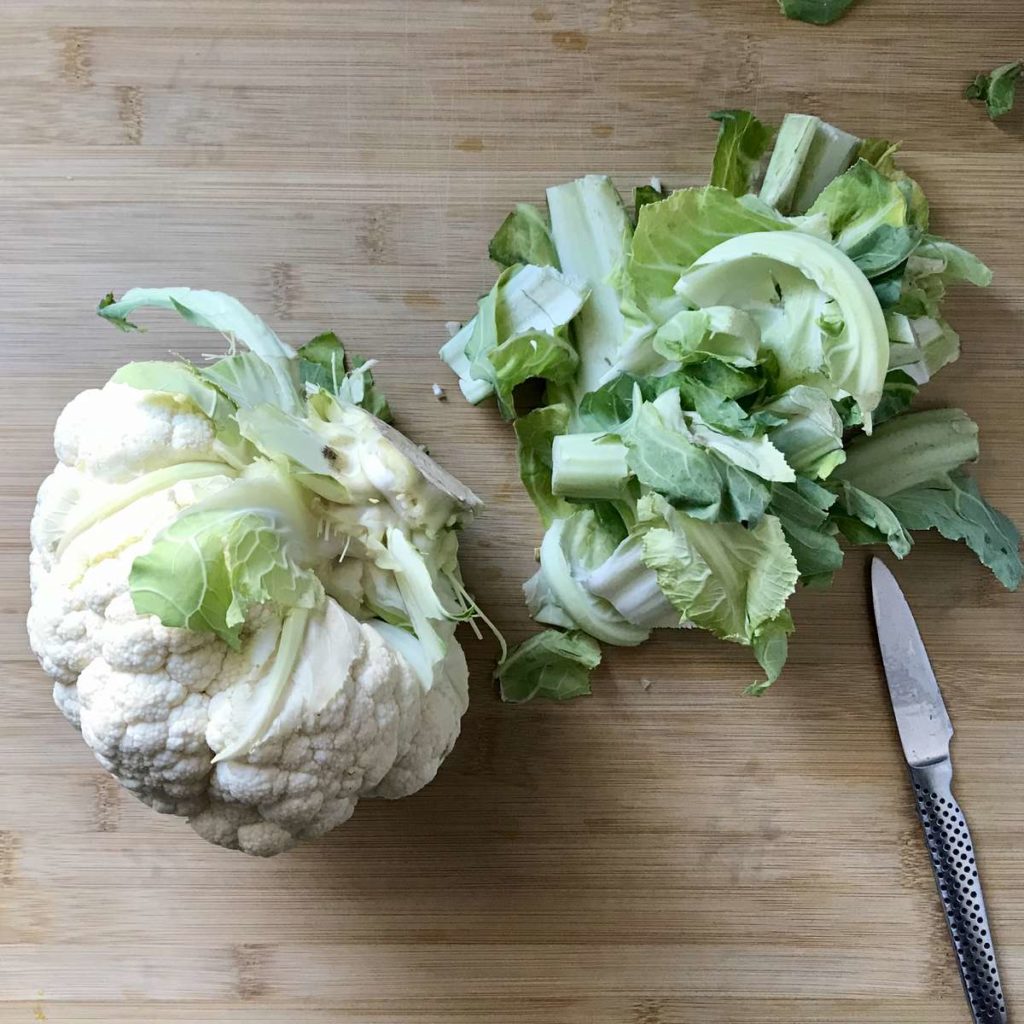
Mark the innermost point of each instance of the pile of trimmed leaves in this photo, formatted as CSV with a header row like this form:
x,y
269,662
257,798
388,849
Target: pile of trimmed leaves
x,y
727,378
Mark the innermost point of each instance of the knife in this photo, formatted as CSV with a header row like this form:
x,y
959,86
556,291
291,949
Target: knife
x,y
925,731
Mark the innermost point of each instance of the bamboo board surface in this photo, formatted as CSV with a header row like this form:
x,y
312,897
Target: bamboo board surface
x,y
665,852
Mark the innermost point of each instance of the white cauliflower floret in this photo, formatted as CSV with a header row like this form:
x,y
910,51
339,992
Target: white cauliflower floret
x,y
59,494
307,776
156,704
433,739
69,603
118,431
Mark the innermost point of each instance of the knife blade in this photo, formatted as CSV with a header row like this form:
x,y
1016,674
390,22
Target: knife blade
x,y
924,726
925,731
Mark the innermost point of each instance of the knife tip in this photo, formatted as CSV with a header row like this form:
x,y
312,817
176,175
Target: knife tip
x,y
880,573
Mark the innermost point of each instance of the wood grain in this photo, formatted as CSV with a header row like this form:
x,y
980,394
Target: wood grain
x,y
670,853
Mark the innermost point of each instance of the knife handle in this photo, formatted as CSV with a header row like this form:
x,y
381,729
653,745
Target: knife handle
x,y
956,875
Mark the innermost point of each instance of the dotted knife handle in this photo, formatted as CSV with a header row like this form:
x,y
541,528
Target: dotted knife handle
x,y
956,875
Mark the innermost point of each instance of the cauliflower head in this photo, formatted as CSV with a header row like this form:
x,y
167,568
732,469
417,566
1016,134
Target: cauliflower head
x,y
245,586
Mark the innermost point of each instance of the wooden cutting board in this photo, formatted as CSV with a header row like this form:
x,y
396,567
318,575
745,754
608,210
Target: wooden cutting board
x,y
665,851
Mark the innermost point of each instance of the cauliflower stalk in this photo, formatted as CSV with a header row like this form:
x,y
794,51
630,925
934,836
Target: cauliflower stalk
x,y
245,584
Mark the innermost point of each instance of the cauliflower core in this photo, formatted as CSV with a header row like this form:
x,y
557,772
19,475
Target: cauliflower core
x,y
156,704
